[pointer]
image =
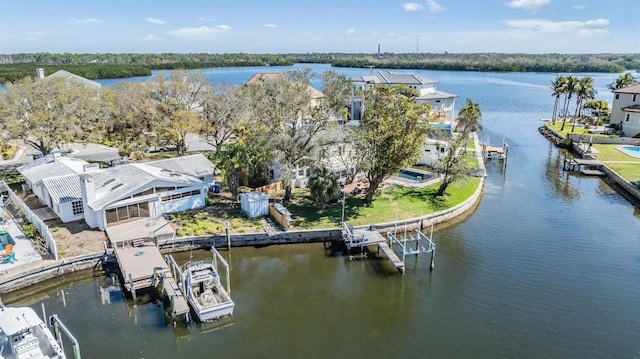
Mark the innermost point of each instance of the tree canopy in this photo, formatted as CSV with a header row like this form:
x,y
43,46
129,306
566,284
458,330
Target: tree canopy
x,y
391,133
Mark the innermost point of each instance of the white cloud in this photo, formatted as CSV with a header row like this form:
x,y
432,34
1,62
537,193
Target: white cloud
x,y
527,4
37,33
579,7
351,31
590,27
153,20
270,25
199,33
150,37
411,6
89,21
434,6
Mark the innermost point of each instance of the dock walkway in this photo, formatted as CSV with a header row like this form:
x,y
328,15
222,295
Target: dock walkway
x,y
361,238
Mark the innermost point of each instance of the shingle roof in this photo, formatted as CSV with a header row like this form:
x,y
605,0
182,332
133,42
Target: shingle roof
x,y
113,184
436,95
276,76
392,78
62,74
633,89
632,108
193,165
51,165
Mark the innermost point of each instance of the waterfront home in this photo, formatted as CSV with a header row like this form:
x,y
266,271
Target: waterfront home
x,y
626,109
69,78
74,189
442,103
433,150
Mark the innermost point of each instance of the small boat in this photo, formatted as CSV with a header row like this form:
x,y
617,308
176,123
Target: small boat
x,y
24,335
207,297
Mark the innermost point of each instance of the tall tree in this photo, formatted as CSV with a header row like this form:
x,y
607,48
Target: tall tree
x,y
558,86
391,133
323,186
177,104
50,113
468,120
452,165
586,91
624,80
130,118
573,86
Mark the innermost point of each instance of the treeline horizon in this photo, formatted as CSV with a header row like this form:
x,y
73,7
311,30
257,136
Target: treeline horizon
x,y
121,65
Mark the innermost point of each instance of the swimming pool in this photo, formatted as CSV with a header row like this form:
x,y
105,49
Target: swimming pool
x,y
633,151
417,176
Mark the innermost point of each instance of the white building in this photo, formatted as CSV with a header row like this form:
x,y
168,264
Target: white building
x,y
432,152
626,110
442,103
76,190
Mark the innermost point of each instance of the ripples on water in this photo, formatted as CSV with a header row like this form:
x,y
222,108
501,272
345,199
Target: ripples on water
x,y
548,266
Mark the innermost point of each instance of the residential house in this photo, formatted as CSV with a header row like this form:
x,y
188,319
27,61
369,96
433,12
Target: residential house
x,y
76,190
442,103
626,110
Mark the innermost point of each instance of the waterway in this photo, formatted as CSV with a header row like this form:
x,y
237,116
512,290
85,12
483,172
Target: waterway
x,y
547,266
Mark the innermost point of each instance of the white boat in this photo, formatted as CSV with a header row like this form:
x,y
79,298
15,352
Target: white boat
x,y
207,297
24,335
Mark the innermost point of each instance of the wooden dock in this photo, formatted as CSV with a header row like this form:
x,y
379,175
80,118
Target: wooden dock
x,y
391,256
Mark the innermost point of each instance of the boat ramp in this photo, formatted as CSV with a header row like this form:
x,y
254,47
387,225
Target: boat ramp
x,y
367,239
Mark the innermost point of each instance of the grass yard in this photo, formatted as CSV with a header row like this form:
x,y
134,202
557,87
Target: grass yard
x,y
390,204
626,166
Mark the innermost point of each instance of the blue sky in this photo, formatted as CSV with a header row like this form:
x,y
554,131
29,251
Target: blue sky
x,y
299,26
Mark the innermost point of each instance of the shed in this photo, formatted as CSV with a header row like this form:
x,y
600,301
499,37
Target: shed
x,y
254,204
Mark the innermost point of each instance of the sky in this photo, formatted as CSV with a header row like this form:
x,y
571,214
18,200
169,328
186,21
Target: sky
x,y
309,26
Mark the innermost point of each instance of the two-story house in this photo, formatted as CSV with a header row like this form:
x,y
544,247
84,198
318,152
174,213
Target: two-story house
x,y
442,103
626,110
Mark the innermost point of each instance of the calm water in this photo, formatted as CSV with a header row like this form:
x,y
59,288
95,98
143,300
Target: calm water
x,y
548,266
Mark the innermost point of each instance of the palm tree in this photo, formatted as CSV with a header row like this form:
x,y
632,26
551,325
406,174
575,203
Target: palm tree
x,y
558,87
586,91
573,86
624,80
469,119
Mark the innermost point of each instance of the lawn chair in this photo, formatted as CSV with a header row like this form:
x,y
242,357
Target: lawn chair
x,y
7,251
11,258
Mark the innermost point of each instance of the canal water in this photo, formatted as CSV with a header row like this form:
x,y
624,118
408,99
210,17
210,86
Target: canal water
x,y
547,266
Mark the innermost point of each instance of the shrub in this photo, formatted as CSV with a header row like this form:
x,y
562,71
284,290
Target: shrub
x,y
30,231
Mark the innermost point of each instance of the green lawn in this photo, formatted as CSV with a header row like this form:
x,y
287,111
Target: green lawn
x,y
567,129
390,204
626,166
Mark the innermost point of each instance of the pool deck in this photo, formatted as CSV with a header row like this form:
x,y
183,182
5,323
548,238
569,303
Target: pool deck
x,y
634,154
24,251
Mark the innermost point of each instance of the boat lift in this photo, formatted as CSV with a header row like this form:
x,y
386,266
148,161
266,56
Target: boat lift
x,y
404,244
58,329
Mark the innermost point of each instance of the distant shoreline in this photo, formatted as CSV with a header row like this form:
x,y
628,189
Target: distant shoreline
x,y
104,66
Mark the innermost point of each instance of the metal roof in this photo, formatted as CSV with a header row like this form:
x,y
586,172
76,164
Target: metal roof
x,y
63,189
392,78
436,95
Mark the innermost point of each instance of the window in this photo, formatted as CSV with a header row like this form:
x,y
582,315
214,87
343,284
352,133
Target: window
x,y
634,98
627,118
180,195
617,96
77,208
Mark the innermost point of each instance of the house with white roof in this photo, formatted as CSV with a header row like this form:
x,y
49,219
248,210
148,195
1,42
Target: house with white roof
x,y
626,109
76,190
442,103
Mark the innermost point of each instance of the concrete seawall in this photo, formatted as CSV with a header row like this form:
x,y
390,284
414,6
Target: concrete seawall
x,y
19,277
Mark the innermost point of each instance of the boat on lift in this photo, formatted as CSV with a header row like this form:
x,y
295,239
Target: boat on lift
x,y
24,335
205,293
